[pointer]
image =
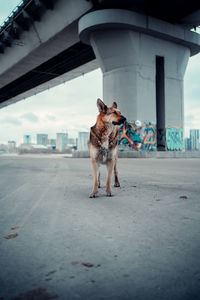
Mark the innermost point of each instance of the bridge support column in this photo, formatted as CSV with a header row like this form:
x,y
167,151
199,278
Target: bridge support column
x,y
142,73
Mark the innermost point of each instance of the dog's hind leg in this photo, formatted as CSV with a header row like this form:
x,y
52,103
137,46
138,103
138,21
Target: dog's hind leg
x,y
117,184
95,171
110,166
99,183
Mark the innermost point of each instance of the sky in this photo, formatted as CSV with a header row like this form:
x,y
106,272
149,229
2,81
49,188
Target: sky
x,y
72,107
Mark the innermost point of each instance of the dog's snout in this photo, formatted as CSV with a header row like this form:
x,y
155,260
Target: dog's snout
x,y
123,119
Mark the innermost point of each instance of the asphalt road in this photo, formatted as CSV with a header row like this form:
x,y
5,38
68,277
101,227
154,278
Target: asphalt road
x,y
57,243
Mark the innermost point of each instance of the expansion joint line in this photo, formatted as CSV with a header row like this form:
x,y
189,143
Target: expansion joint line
x,y
37,34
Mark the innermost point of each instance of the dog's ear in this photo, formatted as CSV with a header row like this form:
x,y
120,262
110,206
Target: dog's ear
x,y
114,105
101,106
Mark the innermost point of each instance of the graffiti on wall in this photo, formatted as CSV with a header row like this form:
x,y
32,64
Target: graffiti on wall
x,y
138,136
142,136
174,138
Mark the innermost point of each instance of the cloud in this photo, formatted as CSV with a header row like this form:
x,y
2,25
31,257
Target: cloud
x,y
191,81
31,117
189,118
51,117
12,121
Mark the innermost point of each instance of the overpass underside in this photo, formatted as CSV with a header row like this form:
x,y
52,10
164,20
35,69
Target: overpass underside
x,y
141,47
74,57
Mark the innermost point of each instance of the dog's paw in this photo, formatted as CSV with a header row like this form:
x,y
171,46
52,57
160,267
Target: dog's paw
x,y
117,184
109,194
93,195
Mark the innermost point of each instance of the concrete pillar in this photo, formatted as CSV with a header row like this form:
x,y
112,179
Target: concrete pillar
x,y
127,54
125,78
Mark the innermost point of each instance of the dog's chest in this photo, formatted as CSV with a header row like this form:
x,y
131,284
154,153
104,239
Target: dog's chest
x,y
106,152
105,144
103,155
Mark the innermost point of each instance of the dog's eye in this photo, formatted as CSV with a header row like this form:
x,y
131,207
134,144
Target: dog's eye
x,y
114,112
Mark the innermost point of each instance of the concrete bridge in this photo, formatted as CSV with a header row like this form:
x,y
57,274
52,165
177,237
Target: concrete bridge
x,y
142,48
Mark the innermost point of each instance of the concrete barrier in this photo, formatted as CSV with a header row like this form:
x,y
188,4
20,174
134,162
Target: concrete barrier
x,y
143,154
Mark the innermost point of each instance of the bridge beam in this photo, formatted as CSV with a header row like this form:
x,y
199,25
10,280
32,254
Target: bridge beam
x,y
143,61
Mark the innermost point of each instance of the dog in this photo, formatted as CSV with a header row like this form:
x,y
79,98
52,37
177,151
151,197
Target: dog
x,y
103,145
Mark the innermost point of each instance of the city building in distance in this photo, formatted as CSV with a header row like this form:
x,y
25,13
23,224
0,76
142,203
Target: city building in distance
x,y
187,144
12,146
27,139
42,139
61,141
3,149
83,138
194,139
72,143
52,143
193,143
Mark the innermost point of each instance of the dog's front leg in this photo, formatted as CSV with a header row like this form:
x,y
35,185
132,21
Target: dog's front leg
x,y
95,171
117,184
110,167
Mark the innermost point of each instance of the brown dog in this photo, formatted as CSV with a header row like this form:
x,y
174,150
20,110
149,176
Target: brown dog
x,y
103,145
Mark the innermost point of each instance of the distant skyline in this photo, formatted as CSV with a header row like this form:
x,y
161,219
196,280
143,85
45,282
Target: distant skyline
x,y
72,107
